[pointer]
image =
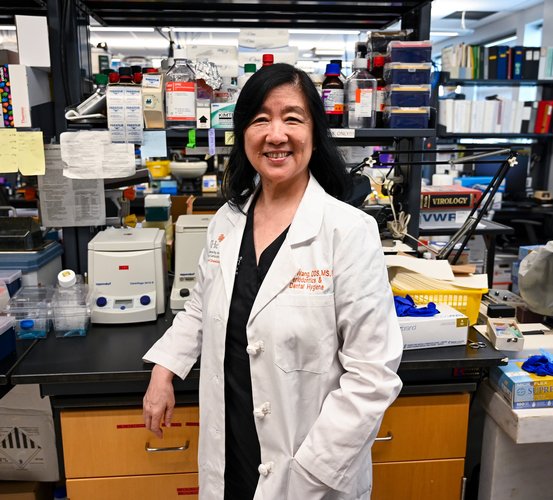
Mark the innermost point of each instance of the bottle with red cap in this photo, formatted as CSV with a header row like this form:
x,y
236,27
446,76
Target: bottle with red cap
x,y
333,96
268,59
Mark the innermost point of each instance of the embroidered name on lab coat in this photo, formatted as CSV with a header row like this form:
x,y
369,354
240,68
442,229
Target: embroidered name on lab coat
x,y
213,253
313,280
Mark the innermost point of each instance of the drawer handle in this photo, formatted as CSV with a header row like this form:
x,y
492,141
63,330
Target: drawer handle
x,y
388,437
171,448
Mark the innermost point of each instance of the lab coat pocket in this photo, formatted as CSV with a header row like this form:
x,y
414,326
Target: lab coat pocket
x,y
306,337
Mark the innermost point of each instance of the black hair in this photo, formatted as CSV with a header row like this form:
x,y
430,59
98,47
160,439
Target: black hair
x,y
326,163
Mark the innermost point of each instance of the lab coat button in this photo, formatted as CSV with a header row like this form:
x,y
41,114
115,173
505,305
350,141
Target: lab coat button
x,y
255,348
262,410
264,469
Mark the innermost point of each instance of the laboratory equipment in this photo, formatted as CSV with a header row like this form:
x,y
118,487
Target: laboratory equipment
x,y
70,306
190,240
127,271
30,310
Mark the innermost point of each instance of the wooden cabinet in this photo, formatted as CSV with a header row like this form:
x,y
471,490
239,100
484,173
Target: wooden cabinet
x,y
421,449
109,454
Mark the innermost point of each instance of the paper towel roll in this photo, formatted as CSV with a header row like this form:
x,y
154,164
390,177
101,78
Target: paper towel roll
x,y
442,180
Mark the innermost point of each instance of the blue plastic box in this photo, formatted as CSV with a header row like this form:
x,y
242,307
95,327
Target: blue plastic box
x,y
410,52
396,117
12,280
407,73
408,95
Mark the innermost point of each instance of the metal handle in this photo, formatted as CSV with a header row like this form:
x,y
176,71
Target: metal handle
x,y
388,437
171,448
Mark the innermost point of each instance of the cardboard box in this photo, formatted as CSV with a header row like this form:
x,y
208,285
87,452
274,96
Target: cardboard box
x,y
521,389
25,490
32,41
27,437
448,328
30,89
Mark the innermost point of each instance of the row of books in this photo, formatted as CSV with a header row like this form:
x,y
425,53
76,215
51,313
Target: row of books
x,y
495,116
500,62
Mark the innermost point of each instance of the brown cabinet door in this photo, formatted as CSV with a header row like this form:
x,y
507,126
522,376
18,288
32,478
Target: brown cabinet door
x,y
162,487
423,428
106,443
418,480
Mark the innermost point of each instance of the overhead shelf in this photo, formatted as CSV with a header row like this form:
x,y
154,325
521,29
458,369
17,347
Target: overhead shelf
x,y
304,14
11,8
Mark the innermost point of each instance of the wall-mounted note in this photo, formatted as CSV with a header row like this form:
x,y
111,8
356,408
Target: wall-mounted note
x,y
8,150
30,152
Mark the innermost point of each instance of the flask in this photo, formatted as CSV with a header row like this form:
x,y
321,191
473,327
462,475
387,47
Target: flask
x,y
378,72
360,96
249,70
180,95
333,95
268,59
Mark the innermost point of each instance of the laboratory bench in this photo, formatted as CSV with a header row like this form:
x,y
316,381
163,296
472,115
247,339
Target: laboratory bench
x,y
96,384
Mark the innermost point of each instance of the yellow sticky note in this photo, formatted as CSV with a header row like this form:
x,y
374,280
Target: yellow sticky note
x,y
30,153
8,150
229,138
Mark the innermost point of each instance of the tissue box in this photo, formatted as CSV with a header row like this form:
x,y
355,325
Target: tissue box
x,y
521,389
448,328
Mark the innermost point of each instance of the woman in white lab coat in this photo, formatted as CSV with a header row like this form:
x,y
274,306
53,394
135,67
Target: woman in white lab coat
x,y
292,315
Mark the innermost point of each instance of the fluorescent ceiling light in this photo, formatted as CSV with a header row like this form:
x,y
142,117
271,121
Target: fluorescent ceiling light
x,y
444,33
323,32
132,43
124,29
502,41
7,28
201,30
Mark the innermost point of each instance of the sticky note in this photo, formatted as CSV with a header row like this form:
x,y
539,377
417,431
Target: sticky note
x,y
8,151
229,138
30,152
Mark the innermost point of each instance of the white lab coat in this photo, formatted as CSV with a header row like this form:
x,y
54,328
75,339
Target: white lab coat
x,y
324,346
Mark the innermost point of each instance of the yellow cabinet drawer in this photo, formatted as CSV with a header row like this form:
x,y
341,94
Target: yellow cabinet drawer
x,y
423,428
114,443
427,479
162,486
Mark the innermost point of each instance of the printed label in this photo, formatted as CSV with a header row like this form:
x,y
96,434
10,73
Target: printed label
x,y
180,101
333,100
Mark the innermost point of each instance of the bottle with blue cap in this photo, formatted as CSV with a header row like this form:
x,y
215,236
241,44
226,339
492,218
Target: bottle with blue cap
x,y
333,95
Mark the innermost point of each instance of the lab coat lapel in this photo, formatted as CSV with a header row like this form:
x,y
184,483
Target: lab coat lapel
x,y
304,228
230,247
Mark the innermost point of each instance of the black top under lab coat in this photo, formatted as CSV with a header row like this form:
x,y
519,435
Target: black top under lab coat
x,y
242,452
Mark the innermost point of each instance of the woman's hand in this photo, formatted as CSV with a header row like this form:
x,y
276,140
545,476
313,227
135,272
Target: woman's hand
x,y
159,400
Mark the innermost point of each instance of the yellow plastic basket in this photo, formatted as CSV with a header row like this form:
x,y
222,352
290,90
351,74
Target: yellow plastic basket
x,y
465,301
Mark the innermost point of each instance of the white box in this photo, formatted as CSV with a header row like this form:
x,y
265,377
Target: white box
x,y
448,328
32,41
27,437
30,87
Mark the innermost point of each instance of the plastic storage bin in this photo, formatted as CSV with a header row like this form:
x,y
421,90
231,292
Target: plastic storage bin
x,y
465,301
158,167
30,309
396,117
408,95
407,73
12,280
410,52
7,337
37,267
157,207
71,311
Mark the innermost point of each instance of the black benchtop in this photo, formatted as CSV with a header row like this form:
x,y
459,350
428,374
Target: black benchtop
x,y
109,360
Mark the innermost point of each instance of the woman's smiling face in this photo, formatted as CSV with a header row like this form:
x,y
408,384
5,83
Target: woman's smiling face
x,y
279,139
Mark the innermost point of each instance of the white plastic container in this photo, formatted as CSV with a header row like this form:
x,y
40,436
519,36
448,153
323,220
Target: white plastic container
x,y
30,309
70,306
